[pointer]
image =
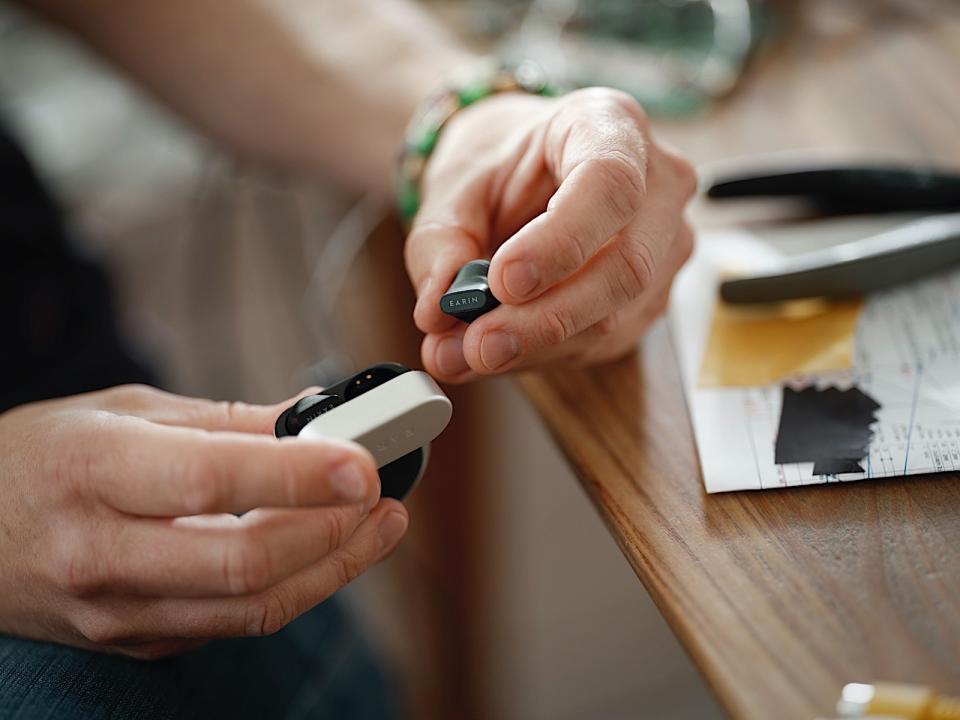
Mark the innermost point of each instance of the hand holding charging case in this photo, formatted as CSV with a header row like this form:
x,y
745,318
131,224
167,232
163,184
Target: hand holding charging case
x,y
394,412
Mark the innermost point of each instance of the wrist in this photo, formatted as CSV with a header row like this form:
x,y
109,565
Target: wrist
x,y
496,115
416,80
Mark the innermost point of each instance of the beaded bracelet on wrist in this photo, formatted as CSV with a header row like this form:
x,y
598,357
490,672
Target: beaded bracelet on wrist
x,y
423,132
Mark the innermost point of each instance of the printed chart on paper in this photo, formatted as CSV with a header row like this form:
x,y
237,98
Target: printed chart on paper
x,y
906,356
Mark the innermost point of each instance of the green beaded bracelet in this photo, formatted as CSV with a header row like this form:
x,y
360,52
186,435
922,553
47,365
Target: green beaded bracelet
x,y
423,132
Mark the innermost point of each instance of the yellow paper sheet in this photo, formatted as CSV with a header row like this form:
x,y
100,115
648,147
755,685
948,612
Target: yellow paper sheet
x,y
755,346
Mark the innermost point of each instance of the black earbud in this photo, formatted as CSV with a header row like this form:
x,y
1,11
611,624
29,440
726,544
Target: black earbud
x,y
308,408
469,296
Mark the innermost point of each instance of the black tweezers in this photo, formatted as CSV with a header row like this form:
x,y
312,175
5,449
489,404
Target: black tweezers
x,y
913,250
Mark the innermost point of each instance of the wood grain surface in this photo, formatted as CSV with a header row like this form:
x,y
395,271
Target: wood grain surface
x,y
783,596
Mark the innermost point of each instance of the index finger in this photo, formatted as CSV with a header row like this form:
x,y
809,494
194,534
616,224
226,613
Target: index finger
x,y
167,408
601,167
435,252
147,469
450,229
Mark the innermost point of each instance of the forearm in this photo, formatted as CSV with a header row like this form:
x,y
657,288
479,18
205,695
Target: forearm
x,y
302,84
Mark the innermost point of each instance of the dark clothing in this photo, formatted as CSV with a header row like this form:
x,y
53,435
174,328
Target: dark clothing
x,y
56,314
316,667
60,338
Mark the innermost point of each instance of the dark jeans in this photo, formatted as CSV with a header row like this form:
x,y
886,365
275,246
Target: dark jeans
x,y
319,666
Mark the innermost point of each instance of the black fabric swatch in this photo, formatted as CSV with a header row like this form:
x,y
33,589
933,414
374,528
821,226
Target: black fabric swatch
x,y
829,427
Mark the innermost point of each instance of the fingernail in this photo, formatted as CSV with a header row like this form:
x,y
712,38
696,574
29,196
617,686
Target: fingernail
x,y
498,348
449,356
391,529
348,482
521,278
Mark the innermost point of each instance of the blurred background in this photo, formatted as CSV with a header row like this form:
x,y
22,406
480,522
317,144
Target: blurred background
x,y
509,599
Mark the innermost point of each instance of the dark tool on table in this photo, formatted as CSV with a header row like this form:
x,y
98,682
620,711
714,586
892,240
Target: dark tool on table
x,y
469,296
889,258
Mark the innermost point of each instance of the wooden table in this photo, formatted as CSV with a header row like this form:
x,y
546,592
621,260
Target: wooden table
x,y
783,596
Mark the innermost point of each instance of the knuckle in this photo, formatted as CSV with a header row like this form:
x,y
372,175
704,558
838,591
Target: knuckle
x,y
688,178
635,271
101,628
568,252
684,173
69,468
627,103
76,570
604,95
289,478
72,471
624,181
267,615
339,528
116,395
201,486
247,566
134,395
232,411
348,567
555,326
576,98
611,101
685,243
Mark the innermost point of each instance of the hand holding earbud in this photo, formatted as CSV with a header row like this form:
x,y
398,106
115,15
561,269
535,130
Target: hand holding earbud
x,y
581,214
122,504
